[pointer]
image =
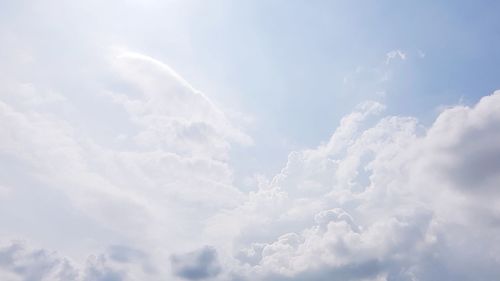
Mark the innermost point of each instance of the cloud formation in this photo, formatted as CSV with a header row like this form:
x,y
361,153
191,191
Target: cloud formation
x,y
200,264
385,198
161,169
389,201
19,263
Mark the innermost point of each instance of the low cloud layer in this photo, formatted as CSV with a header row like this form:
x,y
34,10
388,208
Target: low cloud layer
x,y
133,181
200,264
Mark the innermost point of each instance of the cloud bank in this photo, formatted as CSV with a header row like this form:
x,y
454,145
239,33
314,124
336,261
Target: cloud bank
x,y
132,182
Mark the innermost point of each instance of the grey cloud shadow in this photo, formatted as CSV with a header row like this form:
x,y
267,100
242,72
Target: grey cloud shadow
x,y
196,265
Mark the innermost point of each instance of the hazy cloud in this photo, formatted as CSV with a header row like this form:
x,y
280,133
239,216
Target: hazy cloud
x,y
200,264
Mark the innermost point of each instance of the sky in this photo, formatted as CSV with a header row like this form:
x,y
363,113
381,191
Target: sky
x,y
249,140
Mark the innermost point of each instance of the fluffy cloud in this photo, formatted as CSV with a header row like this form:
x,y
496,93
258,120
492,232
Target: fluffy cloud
x,y
19,263
390,201
200,264
138,192
152,184
171,114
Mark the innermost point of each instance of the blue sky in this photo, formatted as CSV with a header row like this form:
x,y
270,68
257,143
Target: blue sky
x,y
285,62
249,140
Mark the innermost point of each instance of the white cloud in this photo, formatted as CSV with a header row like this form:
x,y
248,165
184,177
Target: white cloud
x,y
154,190
383,199
19,263
384,202
170,111
395,54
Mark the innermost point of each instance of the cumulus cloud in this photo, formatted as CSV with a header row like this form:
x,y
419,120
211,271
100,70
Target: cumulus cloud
x,y
200,264
384,198
171,113
115,167
19,263
167,173
390,201
465,145
98,270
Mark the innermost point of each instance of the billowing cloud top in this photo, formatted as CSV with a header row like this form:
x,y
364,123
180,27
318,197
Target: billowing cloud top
x,y
133,182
